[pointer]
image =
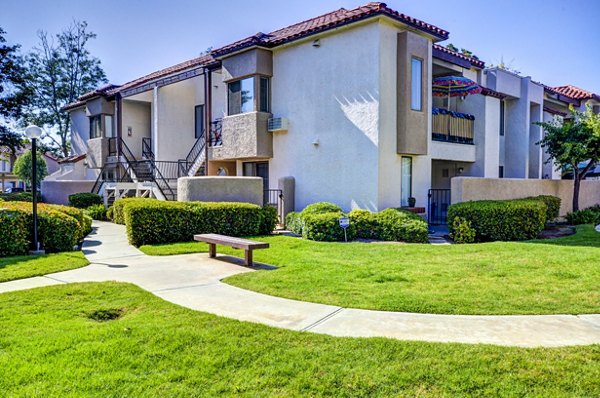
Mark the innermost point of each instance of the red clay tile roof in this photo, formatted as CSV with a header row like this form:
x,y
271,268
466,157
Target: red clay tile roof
x,y
575,92
473,61
325,22
72,159
310,26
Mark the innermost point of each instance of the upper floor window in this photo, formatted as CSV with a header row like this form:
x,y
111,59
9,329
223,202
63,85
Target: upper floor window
x,y
416,84
95,126
101,126
248,95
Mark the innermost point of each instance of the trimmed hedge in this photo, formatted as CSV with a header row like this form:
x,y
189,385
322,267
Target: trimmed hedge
x,y
13,232
365,223
19,197
402,225
151,221
268,220
118,217
321,208
58,228
501,220
83,200
552,205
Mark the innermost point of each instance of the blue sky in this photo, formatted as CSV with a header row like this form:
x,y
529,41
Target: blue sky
x,y
555,41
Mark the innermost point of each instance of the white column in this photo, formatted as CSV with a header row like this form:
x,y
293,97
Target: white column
x,y
155,145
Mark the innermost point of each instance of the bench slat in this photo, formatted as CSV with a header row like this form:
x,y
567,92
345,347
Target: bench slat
x,y
236,243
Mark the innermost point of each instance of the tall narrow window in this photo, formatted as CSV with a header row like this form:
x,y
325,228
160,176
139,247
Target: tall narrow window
x,y
501,117
501,172
264,95
199,121
95,126
108,126
406,183
416,84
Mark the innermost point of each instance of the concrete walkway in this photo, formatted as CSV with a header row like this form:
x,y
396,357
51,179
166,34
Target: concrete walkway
x,y
193,281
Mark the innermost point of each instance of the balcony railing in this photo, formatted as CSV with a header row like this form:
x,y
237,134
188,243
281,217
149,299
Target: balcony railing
x,y
451,126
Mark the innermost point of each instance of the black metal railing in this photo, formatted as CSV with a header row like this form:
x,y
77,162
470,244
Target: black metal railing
x,y
216,133
274,198
169,170
147,148
437,206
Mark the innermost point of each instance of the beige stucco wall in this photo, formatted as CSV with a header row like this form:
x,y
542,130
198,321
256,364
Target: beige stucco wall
x,y
257,61
97,152
136,115
220,189
244,136
57,192
470,188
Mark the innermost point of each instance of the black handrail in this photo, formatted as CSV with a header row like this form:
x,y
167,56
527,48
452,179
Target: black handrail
x,y
147,148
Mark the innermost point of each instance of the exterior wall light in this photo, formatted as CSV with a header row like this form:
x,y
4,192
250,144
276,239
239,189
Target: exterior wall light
x,y
316,43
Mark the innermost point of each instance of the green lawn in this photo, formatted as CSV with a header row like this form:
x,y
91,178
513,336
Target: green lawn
x,y
51,344
20,267
538,277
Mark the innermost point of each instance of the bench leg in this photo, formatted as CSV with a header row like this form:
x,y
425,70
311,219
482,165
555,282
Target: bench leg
x,y
212,250
248,258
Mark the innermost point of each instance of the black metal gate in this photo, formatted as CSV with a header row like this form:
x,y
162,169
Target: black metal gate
x,y
274,198
437,206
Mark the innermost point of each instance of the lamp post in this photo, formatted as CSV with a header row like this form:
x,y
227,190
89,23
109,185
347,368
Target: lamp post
x,y
33,133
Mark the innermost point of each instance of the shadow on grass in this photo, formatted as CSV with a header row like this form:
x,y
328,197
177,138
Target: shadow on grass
x,y
586,236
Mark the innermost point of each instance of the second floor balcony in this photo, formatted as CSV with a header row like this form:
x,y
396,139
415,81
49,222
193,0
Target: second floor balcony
x,y
455,127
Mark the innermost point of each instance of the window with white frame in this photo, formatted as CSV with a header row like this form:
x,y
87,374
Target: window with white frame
x,y
416,84
248,95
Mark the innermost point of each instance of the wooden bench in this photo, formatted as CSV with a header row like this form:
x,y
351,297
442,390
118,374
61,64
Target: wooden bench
x,y
237,243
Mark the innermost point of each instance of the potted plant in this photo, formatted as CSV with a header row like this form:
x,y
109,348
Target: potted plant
x,y
411,202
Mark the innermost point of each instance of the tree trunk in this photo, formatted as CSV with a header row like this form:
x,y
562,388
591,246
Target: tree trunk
x,y
576,185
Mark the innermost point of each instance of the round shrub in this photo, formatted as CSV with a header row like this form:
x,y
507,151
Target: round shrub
x,y
462,231
320,208
97,212
399,225
501,220
13,232
325,227
365,223
83,200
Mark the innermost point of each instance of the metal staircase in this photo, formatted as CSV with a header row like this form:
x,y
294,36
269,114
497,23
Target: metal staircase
x,y
195,161
123,169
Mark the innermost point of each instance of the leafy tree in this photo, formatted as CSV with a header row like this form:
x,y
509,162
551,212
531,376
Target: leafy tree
x,y
11,99
22,168
57,73
573,143
451,47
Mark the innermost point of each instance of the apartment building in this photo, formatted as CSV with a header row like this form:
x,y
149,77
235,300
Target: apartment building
x,y
342,103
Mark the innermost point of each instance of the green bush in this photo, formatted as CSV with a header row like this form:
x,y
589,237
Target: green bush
x,y
365,223
19,197
268,220
585,216
401,225
97,212
13,232
320,208
151,221
57,230
462,231
293,222
325,227
85,223
501,220
552,205
110,213
83,200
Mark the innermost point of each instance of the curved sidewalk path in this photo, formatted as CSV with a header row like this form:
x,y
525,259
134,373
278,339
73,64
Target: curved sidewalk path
x,y
193,281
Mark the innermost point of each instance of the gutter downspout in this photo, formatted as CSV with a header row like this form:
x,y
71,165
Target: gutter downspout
x,y
208,114
119,110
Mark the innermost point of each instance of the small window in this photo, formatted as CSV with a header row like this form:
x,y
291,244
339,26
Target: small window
x,y
240,96
501,172
95,126
108,126
501,118
199,121
264,95
416,84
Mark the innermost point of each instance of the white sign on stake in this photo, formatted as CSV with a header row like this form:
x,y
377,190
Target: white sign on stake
x,y
345,223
